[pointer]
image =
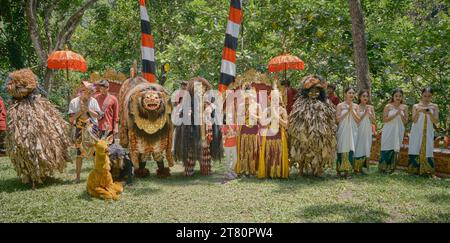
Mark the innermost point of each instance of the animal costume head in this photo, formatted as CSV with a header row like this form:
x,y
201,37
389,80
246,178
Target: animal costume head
x,y
121,165
101,150
116,156
314,87
21,83
149,109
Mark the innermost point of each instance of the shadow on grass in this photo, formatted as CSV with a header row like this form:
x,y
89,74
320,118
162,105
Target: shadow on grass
x,y
349,213
138,191
15,184
440,217
440,198
179,179
372,178
85,196
85,169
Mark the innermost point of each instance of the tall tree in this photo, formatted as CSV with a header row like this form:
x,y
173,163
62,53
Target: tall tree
x,y
359,44
47,38
13,35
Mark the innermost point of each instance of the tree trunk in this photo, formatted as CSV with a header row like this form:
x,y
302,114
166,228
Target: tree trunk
x,y
48,79
359,45
30,14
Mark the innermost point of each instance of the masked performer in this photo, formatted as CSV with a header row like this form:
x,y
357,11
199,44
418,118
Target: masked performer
x,y
146,128
312,128
197,141
37,140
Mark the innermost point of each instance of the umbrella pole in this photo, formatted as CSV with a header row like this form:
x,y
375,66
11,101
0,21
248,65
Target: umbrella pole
x,y
68,91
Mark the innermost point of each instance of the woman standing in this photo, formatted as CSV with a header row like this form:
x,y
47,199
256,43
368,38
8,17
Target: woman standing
x,y
248,138
364,139
348,119
421,141
273,154
395,116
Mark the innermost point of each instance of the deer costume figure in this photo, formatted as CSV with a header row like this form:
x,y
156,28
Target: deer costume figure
x,y
100,182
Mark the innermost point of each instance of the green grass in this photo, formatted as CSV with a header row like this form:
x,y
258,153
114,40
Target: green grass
x,y
373,198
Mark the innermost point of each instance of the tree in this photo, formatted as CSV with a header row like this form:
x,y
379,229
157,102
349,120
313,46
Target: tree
x,y
359,44
55,36
14,38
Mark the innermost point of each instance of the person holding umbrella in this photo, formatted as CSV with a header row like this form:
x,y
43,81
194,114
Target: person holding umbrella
x,y
283,63
83,114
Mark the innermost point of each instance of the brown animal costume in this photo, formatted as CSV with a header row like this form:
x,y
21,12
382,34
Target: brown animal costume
x,y
37,140
100,182
146,127
193,142
312,128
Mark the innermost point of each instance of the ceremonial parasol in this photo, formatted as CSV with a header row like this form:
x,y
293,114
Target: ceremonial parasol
x,y
67,60
285,62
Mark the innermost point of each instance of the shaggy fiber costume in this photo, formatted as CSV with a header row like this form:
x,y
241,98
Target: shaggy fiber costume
x,y
121,165
201,143
100,182
312,129
37,138
146,127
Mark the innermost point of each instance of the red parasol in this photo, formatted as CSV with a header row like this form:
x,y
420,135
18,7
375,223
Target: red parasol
x,y
67,60
285,62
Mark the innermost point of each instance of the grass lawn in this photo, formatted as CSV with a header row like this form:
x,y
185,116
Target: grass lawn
x,y
373,198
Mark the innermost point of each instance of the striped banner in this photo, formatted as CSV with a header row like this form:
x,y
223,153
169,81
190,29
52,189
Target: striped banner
x,y
147,46
228,67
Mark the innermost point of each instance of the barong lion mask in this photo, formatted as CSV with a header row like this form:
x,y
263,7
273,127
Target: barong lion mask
x,y
150,108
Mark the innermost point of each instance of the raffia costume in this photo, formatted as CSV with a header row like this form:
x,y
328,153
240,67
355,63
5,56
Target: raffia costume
x,y
37,139
312,129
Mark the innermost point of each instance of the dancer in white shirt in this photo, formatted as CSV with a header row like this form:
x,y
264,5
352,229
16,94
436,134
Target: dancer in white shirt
x,y
348,119
364,140
395,116
421,141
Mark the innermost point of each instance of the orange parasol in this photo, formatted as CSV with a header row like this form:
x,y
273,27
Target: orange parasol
x,y
67,60
285,62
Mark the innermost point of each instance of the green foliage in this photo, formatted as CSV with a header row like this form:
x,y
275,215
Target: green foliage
x,y
408,41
